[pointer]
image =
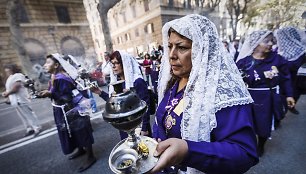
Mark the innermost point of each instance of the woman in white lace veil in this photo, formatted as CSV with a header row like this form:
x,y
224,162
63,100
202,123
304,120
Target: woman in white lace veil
x,y
290,46
289,43
266,73
76,132
198,81
251,42
125,67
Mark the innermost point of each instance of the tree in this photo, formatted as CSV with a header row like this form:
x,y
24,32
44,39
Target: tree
x,y
103,8
236,10
209,5
282,12
17,37
251,13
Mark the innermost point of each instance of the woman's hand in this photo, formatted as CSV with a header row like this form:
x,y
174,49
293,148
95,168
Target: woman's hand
x,y
5,94
44,93
290,102
144,133
171,152
95,89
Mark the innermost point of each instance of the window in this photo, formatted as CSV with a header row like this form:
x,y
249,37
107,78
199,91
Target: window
x,y
127,37
146,5
137,32
150,28
22,14
133,11
62,14
124,16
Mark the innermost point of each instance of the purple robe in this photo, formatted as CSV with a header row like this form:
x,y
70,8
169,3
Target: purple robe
x,y
233,142
267,103
61,93
141,89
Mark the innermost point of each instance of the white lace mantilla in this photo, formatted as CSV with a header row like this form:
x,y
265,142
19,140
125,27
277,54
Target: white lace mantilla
x,y
289,43
214,82
131,71
251,42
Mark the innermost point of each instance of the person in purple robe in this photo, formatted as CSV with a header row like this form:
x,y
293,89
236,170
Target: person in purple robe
x,y
265,74
204,120
74,130
125,67
290,46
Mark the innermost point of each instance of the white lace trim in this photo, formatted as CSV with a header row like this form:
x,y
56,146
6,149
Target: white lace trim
x,y
289,43
251,42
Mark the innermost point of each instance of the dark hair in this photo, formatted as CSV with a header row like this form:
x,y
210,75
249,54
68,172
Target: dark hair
x,y
173,78
147,54
53,58
107,54
60,67
13,67
116,55
171,30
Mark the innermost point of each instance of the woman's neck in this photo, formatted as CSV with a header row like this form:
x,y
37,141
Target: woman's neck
x,y
259,55
182,84
121,77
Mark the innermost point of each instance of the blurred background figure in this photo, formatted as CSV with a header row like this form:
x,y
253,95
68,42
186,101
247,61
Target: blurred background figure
x,y
147,63
106,67
236,49
266,72
289,46
19,98
125,67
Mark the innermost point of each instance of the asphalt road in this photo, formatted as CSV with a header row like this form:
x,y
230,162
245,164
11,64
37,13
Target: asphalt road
x,y
285,152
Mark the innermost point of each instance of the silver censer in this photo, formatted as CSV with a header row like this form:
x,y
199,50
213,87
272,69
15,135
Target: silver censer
x,y
124,111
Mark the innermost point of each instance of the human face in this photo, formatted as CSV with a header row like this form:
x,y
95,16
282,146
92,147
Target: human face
x,y
50,66
265,46
117,67
180,55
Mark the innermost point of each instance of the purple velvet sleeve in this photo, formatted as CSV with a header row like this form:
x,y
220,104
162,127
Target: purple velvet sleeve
x,y
61,90
285,82
104,95
233,146
142,91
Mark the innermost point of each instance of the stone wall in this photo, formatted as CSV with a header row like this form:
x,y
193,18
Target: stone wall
x,y
45,31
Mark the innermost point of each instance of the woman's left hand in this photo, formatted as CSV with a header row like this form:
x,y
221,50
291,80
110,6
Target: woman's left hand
x,y
144,133
171,152
290,102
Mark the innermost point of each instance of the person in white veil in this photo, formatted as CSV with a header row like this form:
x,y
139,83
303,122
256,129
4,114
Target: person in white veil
x,y
204,121
266,73
125,67
74,130
290,46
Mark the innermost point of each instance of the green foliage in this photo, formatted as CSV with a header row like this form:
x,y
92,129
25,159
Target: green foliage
x,y
279,12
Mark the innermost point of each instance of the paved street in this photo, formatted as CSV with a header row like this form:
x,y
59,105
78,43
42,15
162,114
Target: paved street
x,y
285,152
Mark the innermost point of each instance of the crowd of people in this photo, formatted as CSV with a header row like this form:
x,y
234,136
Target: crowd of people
x,y
216,105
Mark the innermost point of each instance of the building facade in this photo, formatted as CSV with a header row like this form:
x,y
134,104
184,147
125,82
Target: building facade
x,y
47,26
136,25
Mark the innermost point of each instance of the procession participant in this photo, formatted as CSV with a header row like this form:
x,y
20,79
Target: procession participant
x,y
204,119
75,131
266,72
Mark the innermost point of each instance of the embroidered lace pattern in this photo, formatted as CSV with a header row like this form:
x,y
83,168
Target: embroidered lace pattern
x,y
251,42
214,82
289,43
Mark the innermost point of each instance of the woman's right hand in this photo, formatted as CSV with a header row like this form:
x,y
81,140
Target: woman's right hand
x,y
95,90
43,94
170,152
